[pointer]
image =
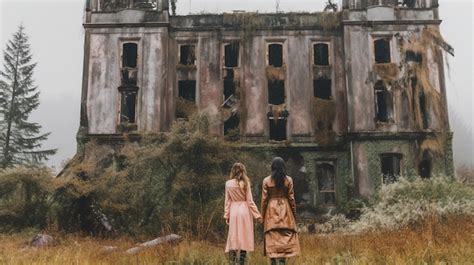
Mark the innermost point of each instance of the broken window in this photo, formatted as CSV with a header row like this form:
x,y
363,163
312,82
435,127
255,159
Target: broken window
x,y
411,56
276,92
382,51
390,167
127,106
382,102
325,173
275,55
423,110
321,54
187,55
322,88
187,89
129,55
231,55
424,168
278,128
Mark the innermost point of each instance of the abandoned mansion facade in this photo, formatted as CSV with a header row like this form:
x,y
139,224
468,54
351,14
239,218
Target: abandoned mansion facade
x,y
350,98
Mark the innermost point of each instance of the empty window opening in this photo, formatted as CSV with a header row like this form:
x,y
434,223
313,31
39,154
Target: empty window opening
x,y
129,55
382,51
409,3
187,89
322,88
127,108
321,54
382,98
411,56
129,76
276,92
425,166
278,129
229,88
275,55
390,167
231,55
231,125
423,110
325,173
187,55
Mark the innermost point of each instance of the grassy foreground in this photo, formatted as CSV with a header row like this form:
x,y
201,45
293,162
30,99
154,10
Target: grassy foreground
x,y
448,241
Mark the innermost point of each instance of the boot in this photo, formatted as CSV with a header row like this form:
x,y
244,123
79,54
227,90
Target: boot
x,y
232,257
243,256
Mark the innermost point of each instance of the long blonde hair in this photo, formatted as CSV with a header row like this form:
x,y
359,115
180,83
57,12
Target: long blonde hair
x,y
239,172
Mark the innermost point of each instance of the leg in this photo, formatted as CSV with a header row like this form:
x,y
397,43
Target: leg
x,y
232,256
282,261
273,261
243,256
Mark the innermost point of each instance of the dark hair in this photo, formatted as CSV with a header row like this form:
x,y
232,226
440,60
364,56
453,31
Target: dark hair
x,y
278,172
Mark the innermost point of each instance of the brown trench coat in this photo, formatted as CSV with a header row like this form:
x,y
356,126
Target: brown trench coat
x,y
279,223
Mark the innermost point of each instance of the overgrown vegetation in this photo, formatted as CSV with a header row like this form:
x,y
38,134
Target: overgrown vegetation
x,y
410,202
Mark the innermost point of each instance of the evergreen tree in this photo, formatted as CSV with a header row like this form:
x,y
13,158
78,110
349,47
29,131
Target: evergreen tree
x,y
20,140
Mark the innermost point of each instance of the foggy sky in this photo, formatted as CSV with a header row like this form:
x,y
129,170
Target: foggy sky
x,y
57,37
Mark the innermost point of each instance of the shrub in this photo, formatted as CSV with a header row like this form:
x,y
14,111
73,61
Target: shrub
x,y
408,202
24,198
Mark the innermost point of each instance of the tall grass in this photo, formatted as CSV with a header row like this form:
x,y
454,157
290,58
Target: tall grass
x,y
450,241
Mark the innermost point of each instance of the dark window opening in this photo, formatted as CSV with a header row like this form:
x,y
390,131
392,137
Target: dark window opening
x,y
231,125
321,54
278,129
231,57
409,3
187,55
423,110
129,55
322,88
229,88
390,167
381,104
382,51
275,55
411,56
326,182
187,90
276,92
129,76
127,110
425,166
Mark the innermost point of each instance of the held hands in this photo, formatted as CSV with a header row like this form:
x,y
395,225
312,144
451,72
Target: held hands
x,y
260,220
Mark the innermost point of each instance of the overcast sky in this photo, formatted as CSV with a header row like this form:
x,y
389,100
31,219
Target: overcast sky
x,y
57,37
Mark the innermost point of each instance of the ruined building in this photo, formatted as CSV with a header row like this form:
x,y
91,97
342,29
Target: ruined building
x,y
351,99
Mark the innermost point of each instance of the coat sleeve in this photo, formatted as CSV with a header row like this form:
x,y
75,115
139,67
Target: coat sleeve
x,y
264,199
226,204
291,197
251,204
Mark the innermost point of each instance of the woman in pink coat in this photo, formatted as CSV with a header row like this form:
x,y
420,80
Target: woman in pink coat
x,y
239,211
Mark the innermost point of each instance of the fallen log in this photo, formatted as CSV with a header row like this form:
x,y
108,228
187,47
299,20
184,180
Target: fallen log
x,y
42,240
152,243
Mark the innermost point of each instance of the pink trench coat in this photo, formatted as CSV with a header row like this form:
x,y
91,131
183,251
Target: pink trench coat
x,y
240,209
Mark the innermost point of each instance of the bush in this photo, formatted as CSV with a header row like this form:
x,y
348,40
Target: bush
x,y
408,202
25,198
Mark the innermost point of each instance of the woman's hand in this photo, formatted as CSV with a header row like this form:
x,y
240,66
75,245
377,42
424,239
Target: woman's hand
x,y
227,221
260,220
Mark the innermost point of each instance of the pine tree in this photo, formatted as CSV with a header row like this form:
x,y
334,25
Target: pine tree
x,y
20,140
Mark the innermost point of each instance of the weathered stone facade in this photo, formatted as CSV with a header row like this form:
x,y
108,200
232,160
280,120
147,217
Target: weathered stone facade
x,y
352,98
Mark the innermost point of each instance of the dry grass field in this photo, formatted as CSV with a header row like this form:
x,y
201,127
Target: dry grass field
x,y
446,241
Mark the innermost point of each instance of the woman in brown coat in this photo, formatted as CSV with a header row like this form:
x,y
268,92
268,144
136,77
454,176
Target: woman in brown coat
x,y
279,215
